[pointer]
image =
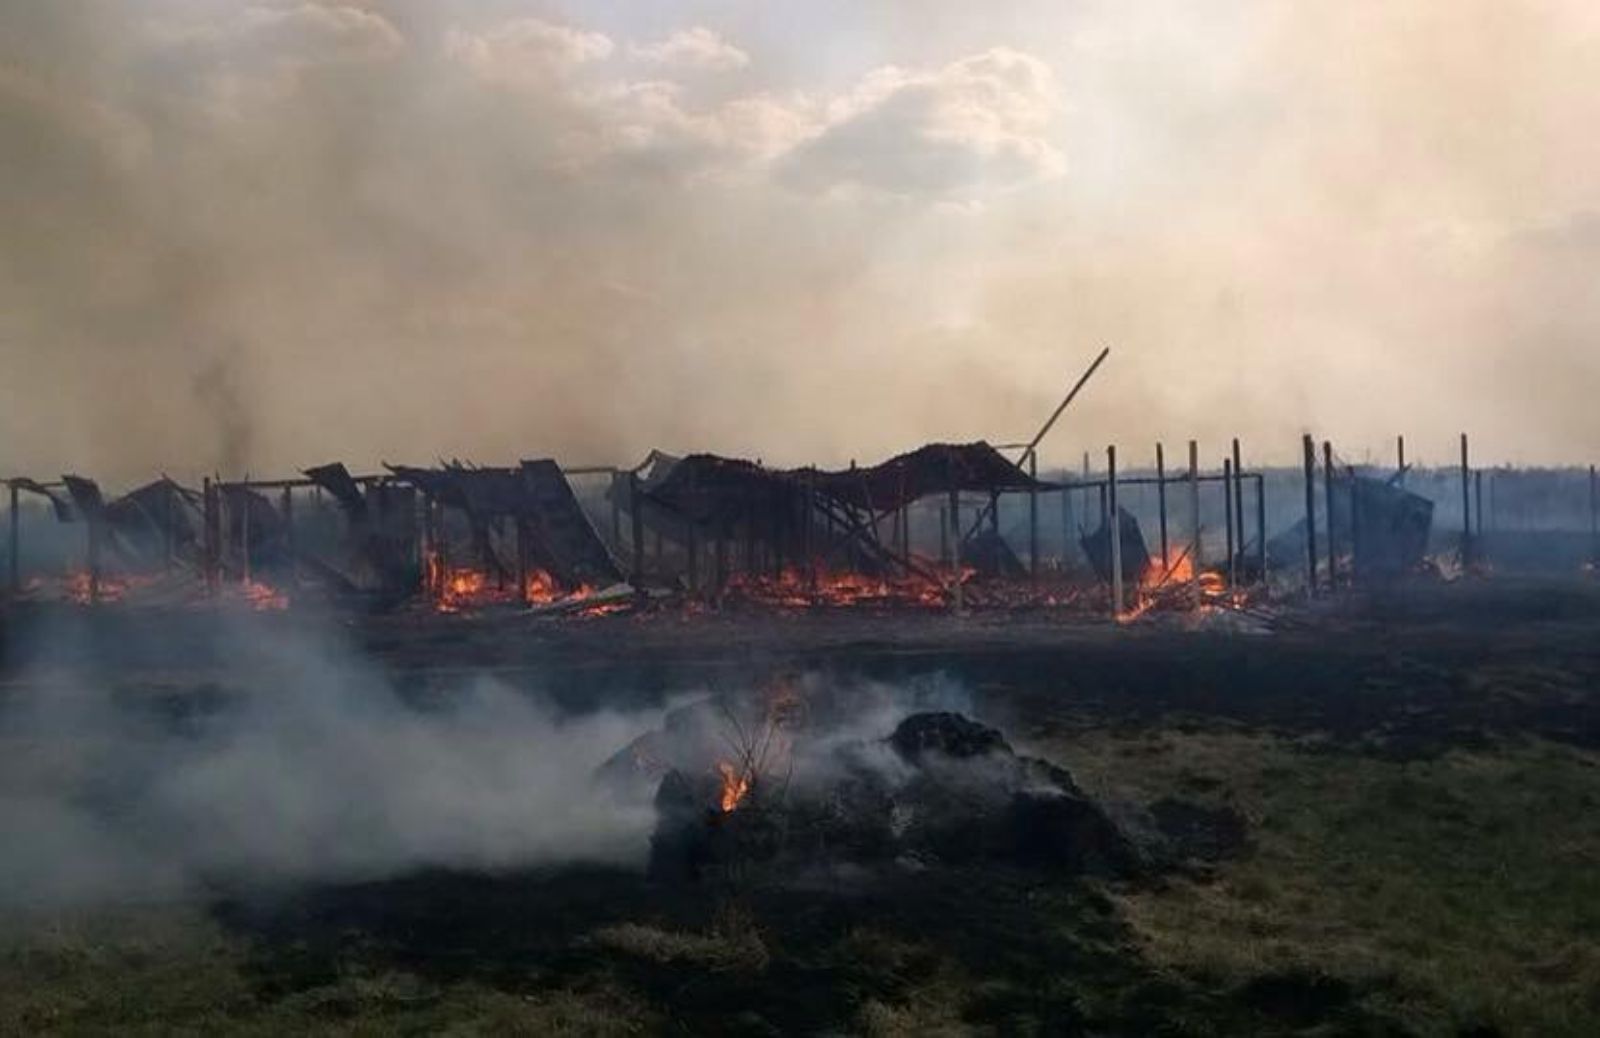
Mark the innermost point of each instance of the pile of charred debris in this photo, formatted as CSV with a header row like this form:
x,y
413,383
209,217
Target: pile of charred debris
x,y
922,530
804,778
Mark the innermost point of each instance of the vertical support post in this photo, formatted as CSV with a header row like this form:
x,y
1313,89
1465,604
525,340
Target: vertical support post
x,y
1400,458
14,535
994,512
1327,493
1310,451
244,537
1083,503
1161,500
1238,501
1227,515
1466,507
288,532
1033,519
1114,529
1194,518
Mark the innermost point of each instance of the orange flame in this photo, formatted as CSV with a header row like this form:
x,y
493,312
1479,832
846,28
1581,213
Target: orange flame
x,y
794,588
458,588
735,787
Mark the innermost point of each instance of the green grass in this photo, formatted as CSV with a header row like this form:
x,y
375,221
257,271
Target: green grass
x,y
1455,892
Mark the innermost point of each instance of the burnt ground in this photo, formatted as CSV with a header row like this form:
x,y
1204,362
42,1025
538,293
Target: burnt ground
x,y
1392,800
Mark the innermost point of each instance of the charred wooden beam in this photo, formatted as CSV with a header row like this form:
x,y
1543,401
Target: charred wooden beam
x,y
1310,451
1327,489
1227,513
1114,530
1161,497
1466,507
1194,517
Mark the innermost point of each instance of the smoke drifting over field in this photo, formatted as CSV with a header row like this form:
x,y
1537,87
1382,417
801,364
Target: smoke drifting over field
x,y
308,766
258,235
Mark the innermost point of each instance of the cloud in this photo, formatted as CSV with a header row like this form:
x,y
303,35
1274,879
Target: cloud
x,y
696,48
526,50
983,120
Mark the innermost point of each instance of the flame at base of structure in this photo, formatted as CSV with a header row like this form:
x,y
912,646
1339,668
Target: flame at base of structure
x,y
455,589
735,787
798,589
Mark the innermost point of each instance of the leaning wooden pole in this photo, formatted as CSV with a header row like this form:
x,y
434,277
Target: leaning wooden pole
x,y
1161,499
1310,451
1114,531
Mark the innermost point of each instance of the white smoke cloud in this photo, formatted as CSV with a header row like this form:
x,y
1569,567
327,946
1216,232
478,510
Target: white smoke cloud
x,y
312,768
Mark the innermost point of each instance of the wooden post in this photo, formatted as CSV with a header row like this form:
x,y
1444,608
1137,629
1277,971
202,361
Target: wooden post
x,y
1194,518
1466,507
1083,503
994,512
1310,452
1033,520
1238,500
1161,500
1400,458
1114,528
244,537
288,531
1327,493
14,547
1227,515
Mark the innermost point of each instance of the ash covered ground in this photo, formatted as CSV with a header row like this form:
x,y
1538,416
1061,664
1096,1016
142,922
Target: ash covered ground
x,y
1377,819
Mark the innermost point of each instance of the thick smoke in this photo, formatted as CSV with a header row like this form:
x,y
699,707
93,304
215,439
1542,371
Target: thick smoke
x,y
505,229
304,764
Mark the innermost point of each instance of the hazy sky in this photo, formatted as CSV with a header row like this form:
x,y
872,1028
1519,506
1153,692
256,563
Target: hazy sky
x,y
258,236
